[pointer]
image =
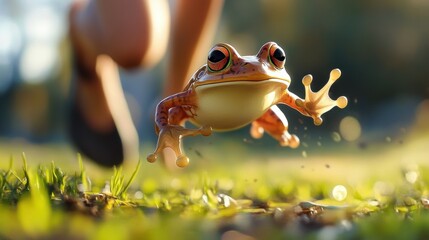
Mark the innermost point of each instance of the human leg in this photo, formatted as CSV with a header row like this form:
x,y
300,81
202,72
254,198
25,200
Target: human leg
x,y
123,30
193,29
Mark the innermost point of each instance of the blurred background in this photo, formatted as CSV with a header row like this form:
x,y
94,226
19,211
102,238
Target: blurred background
x,y
382,48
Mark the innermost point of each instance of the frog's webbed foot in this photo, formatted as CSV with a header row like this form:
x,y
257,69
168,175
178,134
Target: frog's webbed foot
x,y
317,103
170,136
287,139
284,138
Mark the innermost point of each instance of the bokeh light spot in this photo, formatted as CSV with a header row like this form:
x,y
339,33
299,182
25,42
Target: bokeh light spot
x,y
10,40
339,192
43,24
10,43
38,62
383,188
350,128
411,176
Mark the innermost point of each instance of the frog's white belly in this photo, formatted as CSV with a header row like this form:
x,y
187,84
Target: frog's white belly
x,y
231,105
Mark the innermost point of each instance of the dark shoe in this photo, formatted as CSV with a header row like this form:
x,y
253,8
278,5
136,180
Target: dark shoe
x,y
103,148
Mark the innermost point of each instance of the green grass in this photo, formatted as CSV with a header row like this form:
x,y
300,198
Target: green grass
x,y
378,193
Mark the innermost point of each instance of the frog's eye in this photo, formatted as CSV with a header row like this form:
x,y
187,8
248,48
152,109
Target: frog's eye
x,y
218,58
277,56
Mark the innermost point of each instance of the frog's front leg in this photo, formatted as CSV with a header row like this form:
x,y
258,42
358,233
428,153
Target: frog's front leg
x,y
315,103
170,112
274,122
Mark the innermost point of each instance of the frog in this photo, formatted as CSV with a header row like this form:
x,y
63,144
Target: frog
x,y
231,91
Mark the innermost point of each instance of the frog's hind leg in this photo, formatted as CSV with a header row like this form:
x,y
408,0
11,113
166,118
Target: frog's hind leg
x,y
274,123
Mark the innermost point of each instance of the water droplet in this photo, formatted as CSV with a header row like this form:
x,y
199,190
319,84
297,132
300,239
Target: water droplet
x,y
304,154
336,137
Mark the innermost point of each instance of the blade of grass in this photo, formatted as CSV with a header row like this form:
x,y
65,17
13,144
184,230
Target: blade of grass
x,y
133,176
83,177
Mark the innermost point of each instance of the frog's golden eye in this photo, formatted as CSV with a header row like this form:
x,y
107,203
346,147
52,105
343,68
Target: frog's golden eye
x,y
218,58
277,56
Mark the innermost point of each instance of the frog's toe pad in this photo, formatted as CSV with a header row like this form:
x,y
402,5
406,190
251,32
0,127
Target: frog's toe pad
x,y
317,120
307,79
335,74
256,131
206,131
288,140
152,158
342,102
182,161
293,141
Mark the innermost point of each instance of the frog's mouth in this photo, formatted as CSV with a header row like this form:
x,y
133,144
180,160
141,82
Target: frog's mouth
x,y
237,81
